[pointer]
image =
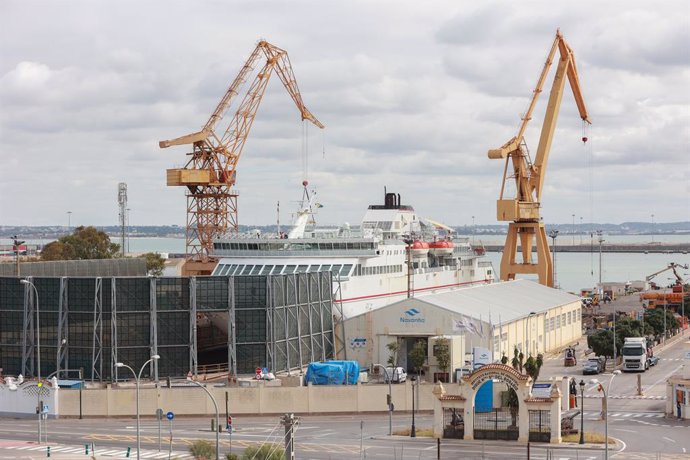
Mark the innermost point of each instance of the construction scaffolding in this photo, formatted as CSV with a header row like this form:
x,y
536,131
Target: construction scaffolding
x,y
236,323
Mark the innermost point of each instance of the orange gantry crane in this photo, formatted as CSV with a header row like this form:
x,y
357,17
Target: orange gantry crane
x,y
211,171
523,211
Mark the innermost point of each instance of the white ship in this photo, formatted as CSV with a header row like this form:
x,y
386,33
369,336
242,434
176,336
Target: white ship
x,y
369,262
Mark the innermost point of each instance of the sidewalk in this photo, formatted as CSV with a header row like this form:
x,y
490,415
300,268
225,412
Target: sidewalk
x,y
31,450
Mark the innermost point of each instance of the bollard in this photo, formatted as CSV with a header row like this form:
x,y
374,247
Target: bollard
x,y
86,449
48,452
129,450
213,425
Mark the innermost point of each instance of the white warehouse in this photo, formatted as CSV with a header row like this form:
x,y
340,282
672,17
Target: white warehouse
x,y
498,317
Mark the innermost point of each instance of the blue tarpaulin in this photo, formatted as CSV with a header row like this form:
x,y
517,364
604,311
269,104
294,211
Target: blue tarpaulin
x,y
333,373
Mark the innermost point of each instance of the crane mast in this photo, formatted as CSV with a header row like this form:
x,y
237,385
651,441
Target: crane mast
x,y
211,171
522,211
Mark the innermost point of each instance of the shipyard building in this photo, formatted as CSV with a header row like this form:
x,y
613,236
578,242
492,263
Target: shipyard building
x,y
497,317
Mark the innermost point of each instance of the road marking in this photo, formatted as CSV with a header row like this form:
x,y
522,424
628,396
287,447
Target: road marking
x,y
669,439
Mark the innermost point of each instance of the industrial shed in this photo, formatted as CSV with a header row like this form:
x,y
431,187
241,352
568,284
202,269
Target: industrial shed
x,y
498,317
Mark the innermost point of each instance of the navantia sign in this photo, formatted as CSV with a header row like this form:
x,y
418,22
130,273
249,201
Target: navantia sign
x,y
480,376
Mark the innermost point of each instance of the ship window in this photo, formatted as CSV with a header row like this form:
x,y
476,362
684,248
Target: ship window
x,y
256,270
336,269
266,270
247,269
289,269
302,268
277,270
218,270
226,269
236,269
346,270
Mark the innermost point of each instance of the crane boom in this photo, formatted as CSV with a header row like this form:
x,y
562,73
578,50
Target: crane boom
x,y
671,266
523,211
211,171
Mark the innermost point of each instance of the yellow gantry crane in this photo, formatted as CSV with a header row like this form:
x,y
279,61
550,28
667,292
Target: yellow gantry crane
x,y
523,211
211,171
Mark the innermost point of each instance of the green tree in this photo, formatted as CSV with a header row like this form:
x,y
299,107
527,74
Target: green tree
x,y
418,355
655,319
393,348
443,354
84,243
515,362
601,343
155,263
533,366
513,405
504,359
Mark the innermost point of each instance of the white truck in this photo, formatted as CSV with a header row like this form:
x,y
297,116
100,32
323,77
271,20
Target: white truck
x,y
635,354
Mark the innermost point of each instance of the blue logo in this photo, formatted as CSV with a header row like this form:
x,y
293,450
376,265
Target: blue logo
x,y
412,316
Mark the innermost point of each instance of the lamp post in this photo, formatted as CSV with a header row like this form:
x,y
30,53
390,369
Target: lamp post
x,y
413,431
553,234
582,411
389,400
573,229
137,377
580,229
69,221
38,353
215,405
474,230
57,367
16,242
606,410
652,228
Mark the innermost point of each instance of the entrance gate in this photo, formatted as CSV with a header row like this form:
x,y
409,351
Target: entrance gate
x,y
499,424
527,416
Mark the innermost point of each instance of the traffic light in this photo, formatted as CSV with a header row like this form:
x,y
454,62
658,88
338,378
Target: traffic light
x,y
388,400
229,420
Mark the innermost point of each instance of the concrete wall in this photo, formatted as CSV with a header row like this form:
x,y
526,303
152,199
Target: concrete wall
x,y
312,399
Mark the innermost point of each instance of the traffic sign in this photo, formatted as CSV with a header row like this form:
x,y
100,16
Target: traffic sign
x,y
45,408
159,414
170,416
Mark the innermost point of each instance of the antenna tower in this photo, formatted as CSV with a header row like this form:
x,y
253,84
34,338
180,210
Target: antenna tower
x,y
122,202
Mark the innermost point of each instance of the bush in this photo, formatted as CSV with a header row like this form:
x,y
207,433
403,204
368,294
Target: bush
x,y
203,450
232,457
265,452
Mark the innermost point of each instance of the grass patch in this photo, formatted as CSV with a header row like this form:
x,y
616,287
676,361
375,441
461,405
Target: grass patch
x,y
590,438
421,432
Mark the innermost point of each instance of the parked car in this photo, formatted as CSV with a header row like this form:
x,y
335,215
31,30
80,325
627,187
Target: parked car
x,y
592,366
396,375
653,360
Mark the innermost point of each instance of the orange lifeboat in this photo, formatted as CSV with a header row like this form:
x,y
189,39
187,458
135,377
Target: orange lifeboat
x,y
419,249
441,248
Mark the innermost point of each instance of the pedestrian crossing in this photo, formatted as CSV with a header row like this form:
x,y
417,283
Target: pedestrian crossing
x,y
98,452
631,414
598,396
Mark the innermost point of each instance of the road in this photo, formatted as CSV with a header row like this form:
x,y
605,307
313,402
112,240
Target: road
x,y
638,422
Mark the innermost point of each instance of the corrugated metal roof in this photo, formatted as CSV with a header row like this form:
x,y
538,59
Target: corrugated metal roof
x,y
508,300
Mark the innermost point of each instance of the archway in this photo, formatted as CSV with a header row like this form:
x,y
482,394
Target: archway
x,y
527,417
496,418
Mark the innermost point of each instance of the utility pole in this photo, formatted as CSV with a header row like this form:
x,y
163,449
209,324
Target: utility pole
x,y
290,422
122,202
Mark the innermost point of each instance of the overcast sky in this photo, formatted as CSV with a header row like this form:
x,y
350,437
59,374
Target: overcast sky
x,y
412,94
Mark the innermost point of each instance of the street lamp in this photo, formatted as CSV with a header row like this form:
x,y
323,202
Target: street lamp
x,y
38,352
62,343
137,377
582,411
389,399
600,387
553,234
214,405
413,432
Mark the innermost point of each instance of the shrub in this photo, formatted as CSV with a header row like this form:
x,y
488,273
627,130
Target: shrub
x,y
264,452
232,457
203,449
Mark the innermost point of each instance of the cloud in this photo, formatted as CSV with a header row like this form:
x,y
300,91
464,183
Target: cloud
x,y
413,95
